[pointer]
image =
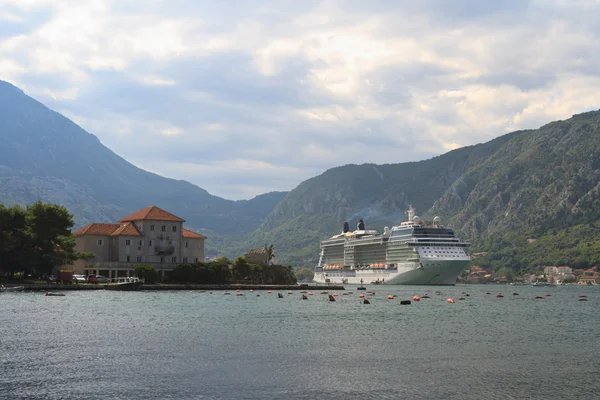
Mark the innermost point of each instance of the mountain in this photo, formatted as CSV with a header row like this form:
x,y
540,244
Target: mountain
x,y
45,156
529,183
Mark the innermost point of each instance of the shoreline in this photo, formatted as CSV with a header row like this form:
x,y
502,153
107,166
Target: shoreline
x,y
216,287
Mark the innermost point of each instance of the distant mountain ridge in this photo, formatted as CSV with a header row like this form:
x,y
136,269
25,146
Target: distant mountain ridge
x,y
45,156
537,183
526,182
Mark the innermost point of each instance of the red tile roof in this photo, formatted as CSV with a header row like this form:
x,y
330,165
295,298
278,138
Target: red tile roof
x,y
97,229
152,213
128,229
186,233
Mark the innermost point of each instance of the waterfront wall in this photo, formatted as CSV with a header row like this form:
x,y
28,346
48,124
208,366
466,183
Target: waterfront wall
x,y
56,287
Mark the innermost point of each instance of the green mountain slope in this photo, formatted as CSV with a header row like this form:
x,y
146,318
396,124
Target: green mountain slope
x,y
45,156
528,183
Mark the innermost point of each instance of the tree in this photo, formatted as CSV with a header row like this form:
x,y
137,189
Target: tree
x,y
12,238
241,269
270,256
37,239
146,272
305,274
51,242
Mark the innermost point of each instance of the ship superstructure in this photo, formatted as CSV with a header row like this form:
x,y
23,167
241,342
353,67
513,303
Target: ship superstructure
x,y
411,253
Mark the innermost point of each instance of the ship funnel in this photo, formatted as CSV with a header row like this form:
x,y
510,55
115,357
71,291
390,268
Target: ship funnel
x,y
361,225
346,227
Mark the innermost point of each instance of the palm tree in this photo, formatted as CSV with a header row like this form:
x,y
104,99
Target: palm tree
x,y
270,254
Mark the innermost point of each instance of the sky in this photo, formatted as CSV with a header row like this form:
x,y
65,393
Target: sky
x,y
246,97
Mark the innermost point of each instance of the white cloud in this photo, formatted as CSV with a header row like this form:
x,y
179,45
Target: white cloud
x,y
267,94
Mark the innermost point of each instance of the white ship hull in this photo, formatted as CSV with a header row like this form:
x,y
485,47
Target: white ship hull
x,y
439,273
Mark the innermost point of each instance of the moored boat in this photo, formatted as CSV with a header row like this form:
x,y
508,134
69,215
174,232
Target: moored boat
x,y
411,253
127,284
11,288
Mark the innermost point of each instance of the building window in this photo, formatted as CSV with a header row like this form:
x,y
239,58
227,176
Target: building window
x,y
173,260
174,229
128,259
196,259
141,243
150,243
185,260
162,259
174,243
151,227
186,244
100,242
138,259
128,242
163,228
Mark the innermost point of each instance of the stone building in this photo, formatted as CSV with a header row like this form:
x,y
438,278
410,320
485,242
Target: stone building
x,y
258,256
150,236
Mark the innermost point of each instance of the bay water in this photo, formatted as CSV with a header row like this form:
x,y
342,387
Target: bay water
x,y
192,345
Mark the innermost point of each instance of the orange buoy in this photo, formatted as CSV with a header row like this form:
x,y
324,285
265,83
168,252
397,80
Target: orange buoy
x,y
336,295
251,290
310,293
290,292
238,290
416,298
390,297
450,300
362,295
269,291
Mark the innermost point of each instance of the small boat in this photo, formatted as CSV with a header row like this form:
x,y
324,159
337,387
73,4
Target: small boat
x,y
54,294
11,288
127,284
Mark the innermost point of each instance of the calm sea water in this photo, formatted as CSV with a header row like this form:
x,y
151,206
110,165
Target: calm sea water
x,y
190,345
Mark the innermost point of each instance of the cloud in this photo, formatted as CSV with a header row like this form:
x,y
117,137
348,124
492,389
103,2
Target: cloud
x,y
247,97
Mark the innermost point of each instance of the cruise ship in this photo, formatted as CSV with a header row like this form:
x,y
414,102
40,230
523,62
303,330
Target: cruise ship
x,y
411,253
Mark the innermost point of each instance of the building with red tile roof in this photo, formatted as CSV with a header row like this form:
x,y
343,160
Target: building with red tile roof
x,y
148,236
151,213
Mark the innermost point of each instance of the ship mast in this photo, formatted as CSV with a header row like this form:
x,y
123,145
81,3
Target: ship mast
x,y
411,212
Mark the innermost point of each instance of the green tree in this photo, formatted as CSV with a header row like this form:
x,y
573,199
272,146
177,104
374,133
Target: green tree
x,y
37,239
305,274
241,269
146,272
12,238
51,242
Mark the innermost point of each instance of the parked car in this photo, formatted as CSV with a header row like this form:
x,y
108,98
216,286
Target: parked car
x,y
93,278
98,279
79,278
